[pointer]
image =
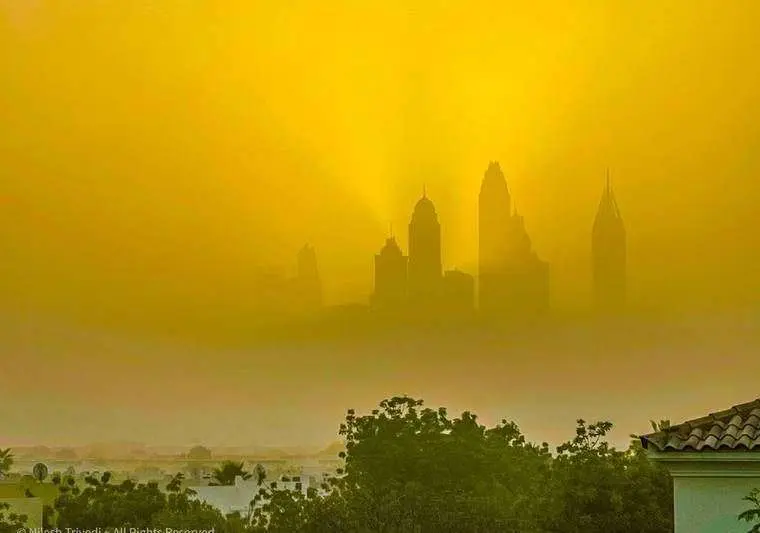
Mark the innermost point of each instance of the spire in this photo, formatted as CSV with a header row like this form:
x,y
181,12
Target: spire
x,y
424,190
608,207
390,229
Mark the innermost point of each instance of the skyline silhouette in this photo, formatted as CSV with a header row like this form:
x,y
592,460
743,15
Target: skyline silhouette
x,y
512,285
177,183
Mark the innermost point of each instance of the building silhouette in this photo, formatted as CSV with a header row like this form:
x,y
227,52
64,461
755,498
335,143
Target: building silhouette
x,y
390,278
608,250
458,293
513,282
425,268
308,284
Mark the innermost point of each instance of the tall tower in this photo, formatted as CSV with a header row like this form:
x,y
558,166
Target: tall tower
x,y
513,282
390,277
494,222
608,249
425,269
308,281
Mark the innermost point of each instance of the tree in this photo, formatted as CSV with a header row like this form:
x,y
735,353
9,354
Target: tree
x,y
753,513
11,522
40,472
413,469
6,461
199,453
183,512
597,488
128,504
662,425
228,472
261,474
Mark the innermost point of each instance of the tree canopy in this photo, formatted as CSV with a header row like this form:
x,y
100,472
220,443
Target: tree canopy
x,y
6,461
408,468
227,472
106,505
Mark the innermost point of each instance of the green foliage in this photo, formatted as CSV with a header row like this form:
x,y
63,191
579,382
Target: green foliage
x,y
597,488
128,504
261,474
10,522
411,469
40,472
6,461
753,513
228,472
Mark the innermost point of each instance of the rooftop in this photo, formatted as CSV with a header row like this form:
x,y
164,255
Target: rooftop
x,y
735,429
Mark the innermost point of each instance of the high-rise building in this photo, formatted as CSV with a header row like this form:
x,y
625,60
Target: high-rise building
x,y
512,281
608,249
390,277
494,220
425,268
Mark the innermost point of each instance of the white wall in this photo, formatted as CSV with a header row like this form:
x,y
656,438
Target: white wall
x,y
711,504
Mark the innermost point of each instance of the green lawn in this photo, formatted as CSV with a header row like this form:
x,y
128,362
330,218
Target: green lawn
x,y
46,491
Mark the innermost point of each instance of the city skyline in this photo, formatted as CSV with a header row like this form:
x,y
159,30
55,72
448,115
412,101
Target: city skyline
x,y
159,165
400,279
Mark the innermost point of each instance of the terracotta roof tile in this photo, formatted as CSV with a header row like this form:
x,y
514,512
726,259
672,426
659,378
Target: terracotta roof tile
x,y
737,428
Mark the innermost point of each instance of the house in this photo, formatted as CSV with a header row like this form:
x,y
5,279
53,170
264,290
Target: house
x,y
238,497
715,462
229,498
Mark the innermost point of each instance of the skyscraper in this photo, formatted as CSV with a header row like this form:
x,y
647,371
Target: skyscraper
x,y
425,268
390,277
494,220
512,282
608,249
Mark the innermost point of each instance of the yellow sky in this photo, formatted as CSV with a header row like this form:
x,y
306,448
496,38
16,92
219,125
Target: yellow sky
x,y
153,154
149,141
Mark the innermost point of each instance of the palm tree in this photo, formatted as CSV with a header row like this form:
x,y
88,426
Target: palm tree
x,y
227,472
6,460
261,474
662,425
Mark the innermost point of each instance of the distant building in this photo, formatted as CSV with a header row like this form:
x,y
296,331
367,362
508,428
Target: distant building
x,y
229,498
608,249
513,282
415,287
271,291
458,293
239,497
308,284
390,278
425,266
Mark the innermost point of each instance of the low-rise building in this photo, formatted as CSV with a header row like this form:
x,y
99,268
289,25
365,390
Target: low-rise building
x,y
715,463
